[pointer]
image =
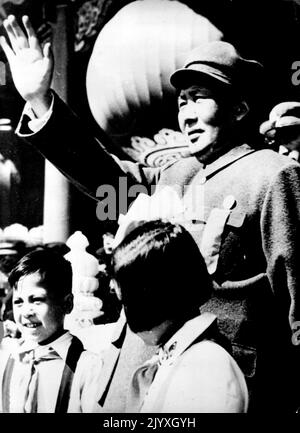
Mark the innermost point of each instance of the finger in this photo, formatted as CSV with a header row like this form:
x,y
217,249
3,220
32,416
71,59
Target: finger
x,y
17,38
28,27
32,37
47,52
47,40
9,32
17,29
6,48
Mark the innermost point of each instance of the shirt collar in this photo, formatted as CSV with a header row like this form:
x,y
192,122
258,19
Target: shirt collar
x,y
60,345
186,335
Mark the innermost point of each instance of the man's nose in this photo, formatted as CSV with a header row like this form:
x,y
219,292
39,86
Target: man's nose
x,y
190,112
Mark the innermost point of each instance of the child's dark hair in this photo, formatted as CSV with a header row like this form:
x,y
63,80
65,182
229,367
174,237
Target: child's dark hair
x,y
161,275
54,270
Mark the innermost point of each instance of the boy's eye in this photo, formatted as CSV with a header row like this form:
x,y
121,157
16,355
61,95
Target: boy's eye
x,y
38,300
17,301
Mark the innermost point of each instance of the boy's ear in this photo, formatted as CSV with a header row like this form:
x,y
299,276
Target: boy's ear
x,y
68,303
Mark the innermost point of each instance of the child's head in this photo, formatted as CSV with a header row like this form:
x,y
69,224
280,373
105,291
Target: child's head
x,y
42,294
160,275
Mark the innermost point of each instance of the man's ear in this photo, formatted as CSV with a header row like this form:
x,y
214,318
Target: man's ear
x,y
68,303
240,110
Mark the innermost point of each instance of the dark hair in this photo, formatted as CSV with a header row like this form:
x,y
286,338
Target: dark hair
x,y
55,271
161,275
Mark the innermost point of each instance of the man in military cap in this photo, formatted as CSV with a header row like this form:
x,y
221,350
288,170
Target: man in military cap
x,y
242,207
282,129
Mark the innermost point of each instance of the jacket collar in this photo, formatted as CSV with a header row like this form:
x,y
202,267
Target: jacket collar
x,y
227,159
111,358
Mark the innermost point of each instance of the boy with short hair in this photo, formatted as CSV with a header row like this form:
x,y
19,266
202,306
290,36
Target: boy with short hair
x,y
38,375
157,268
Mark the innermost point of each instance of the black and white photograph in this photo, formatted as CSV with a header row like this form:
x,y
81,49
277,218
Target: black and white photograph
x,y
149,211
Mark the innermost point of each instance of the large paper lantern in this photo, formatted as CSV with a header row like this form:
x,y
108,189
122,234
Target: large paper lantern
x,y
135,53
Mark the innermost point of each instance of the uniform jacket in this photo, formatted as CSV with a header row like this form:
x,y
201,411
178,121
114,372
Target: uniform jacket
x,y
245,218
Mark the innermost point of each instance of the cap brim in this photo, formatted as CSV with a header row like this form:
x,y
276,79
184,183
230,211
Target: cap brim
x,y
288,121
266,127
289,125
183,78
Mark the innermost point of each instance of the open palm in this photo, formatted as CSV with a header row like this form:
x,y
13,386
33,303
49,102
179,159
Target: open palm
x,y
31,66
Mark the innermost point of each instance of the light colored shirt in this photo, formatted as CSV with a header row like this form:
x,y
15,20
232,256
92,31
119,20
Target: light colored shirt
x,y
49,373
196,377
84,385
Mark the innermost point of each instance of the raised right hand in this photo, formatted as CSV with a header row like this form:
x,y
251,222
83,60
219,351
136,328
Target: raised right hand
x,y
31,65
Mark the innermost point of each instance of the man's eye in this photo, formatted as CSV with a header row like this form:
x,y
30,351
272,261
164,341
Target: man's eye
x,y
199,99
181,102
